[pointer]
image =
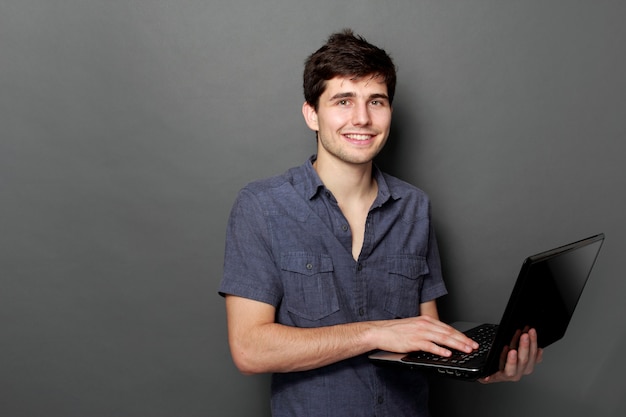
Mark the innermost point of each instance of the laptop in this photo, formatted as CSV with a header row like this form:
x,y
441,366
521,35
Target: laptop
x,y
544,297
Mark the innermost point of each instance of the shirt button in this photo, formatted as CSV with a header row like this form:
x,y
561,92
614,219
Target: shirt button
x,y
309,266
361,311
344,227
359,267
381,399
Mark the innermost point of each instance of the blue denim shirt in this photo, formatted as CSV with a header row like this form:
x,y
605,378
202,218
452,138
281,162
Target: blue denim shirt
x,y
289,245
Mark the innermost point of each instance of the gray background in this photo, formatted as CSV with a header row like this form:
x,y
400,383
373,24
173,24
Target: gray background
x,y
127,127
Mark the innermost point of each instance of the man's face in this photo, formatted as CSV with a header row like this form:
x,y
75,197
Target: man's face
x,y
352,120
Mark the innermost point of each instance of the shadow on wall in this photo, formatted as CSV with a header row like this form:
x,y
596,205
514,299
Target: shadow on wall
x,y
395,156
456,398
544,393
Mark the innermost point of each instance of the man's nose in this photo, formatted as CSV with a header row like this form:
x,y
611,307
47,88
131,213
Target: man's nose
x,y
361,115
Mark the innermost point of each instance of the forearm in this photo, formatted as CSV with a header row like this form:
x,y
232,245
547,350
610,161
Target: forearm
x,y
259,345
274,347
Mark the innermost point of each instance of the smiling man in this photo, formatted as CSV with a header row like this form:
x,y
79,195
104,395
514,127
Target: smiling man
x,y
334,259
352,119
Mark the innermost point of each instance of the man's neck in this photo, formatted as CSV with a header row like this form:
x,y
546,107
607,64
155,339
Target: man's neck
x,y
349,183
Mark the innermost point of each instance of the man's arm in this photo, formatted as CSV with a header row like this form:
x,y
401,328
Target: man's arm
x,y
259,345
429,309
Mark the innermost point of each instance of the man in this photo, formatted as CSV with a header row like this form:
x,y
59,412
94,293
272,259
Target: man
x,y
334,259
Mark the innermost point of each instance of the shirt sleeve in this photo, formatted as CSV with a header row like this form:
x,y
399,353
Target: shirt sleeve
x,y
249,267
433,286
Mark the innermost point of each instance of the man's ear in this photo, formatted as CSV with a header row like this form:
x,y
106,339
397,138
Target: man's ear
x,y
310,116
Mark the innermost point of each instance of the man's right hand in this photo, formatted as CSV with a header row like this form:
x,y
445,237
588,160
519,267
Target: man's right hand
x,y
422,333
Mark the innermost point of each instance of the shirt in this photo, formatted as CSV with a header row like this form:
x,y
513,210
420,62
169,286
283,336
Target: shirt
x,y
289,245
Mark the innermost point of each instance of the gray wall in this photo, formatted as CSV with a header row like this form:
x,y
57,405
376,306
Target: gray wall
x,y
127,127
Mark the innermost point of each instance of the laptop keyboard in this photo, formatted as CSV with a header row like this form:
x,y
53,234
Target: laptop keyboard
x,y
483,334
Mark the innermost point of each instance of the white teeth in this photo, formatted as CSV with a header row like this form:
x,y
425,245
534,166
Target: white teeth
x,y
359,137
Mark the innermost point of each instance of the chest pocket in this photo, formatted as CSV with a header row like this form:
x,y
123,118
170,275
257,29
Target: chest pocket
x,y
309,286
404,282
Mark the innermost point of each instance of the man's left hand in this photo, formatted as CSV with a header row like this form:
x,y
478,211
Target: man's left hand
x,y
519,362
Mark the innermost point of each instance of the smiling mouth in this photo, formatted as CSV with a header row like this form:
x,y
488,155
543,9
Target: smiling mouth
x,y
359,136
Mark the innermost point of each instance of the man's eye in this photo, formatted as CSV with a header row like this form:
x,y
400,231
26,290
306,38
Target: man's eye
x,y
343,102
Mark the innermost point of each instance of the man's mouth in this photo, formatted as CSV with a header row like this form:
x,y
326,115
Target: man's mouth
x,y
358,136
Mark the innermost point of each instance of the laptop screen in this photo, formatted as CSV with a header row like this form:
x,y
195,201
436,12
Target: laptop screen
x,y
549,288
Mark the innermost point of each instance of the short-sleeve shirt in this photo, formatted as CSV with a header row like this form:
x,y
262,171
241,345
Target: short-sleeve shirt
x,y
289,245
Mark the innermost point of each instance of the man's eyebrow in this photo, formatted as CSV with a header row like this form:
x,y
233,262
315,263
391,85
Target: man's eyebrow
x,y
379,95
343,95
351,95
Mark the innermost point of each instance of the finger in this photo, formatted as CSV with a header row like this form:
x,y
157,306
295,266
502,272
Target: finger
x,y
523,352
539,356
441,340
444,334
457,340
485,380
511,369
533,352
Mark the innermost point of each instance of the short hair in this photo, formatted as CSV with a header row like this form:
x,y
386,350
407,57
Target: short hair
x,y
347,55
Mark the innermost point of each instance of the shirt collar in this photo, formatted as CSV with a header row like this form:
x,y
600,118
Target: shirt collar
x,y
313,184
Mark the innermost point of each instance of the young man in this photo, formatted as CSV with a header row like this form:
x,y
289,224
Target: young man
x,y
334,259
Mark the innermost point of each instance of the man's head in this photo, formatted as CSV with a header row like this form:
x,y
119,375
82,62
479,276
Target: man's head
x,y
349,56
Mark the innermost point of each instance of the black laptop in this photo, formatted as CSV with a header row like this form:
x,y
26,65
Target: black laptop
x,y
544,297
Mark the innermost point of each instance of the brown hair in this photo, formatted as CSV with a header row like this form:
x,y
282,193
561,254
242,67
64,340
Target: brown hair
x,y
347,55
